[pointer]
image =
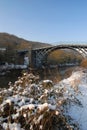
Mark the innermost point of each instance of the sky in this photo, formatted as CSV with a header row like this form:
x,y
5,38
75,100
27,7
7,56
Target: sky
x,y
49,21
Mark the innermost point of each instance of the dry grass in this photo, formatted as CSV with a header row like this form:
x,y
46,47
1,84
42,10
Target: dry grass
x,y
46,114
84,63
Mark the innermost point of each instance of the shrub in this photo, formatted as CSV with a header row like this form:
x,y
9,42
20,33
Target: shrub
x,y
84,63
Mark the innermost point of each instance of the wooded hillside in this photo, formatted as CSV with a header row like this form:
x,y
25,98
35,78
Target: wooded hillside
x,y
18,43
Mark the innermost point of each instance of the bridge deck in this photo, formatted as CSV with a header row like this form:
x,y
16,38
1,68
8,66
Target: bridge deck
x,y
64,46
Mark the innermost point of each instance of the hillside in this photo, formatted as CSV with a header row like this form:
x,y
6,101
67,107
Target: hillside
x,y
8,40
13,43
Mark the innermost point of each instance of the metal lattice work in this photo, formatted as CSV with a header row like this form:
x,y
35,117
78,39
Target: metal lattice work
x,y
39,56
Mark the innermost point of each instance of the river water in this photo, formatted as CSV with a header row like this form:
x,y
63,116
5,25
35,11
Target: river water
x,y
53,74
10,76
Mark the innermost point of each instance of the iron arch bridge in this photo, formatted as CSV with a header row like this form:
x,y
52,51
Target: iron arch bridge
x,y
39,55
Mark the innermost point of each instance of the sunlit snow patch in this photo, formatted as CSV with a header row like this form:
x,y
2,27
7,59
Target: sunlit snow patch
x,y
78,81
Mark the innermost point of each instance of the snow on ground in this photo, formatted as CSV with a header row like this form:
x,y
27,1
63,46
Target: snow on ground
x,y
31,104
78,111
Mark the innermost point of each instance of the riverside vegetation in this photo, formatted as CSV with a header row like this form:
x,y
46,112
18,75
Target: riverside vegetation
x,y
31,104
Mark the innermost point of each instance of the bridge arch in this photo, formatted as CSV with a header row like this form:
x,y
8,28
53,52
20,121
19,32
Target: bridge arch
x,y
39,56
48,52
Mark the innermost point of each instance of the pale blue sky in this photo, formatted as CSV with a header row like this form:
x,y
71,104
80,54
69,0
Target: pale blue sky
x,y
45,20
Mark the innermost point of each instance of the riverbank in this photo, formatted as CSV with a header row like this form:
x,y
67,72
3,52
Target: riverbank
x,y
4,69
35,105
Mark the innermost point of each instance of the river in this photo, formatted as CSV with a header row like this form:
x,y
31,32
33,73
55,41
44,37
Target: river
x,y
54,74
10,76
